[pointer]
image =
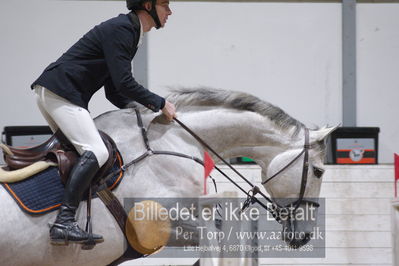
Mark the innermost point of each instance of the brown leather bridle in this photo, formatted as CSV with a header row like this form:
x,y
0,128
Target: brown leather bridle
x,y
277,210
305,170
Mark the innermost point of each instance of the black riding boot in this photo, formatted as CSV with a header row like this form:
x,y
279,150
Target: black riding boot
x,y
65,229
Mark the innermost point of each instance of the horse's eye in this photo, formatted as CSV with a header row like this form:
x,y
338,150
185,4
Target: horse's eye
x,y
318,172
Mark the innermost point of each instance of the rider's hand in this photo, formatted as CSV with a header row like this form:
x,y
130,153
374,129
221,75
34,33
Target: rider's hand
x,y
169,110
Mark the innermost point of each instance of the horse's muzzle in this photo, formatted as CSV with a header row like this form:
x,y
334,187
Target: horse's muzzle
x,y
298,242
295,239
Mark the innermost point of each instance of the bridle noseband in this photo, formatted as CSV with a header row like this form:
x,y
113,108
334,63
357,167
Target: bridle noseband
x,y
305,170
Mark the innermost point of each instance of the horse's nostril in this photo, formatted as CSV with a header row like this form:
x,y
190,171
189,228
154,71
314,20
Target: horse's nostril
x,y
299,242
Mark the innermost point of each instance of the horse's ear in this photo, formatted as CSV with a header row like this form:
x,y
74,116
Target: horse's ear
x,y
322,133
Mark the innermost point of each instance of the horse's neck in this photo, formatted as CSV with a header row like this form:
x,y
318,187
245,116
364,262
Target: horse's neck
x,y
236,133
231,133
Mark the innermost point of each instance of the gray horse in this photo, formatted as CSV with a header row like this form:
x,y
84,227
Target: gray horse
x,y
233,123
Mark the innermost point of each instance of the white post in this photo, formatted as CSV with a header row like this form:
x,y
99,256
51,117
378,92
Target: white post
x,y
395,231
220,260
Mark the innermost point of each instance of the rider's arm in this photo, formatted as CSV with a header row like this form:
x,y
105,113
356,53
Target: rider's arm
x,y
116,98
118,47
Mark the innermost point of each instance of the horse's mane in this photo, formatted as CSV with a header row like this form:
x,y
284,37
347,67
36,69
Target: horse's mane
x,y
183,97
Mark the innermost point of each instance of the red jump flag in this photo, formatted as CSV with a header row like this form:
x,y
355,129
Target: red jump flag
x,y
209,164
396,173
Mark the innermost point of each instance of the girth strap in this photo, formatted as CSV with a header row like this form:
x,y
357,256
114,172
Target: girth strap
x,y
119,213
114,206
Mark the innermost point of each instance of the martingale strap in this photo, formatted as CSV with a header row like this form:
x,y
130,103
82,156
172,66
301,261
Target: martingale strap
x,y
113,204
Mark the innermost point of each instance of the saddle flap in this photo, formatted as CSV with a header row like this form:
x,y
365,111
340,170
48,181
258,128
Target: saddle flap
x,y
65,160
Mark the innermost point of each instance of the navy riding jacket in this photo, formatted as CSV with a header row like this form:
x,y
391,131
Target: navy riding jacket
x,y
102,57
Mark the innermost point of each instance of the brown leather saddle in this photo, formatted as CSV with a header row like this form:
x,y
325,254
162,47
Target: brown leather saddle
x,y
58,149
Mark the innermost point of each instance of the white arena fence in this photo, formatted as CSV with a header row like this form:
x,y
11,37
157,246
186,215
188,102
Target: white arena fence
x,y
395,231
358,217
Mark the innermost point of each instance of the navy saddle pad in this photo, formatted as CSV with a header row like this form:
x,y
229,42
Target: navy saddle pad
x,y
43,192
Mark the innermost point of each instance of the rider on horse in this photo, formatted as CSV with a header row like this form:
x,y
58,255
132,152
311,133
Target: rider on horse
x,y
102,57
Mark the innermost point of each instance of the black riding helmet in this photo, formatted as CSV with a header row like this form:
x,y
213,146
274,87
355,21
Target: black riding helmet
x,y
138,5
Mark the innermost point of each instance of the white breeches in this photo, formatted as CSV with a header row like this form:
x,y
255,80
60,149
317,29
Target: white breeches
x,y
74,121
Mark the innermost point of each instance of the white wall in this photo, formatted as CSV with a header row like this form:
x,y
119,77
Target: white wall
x,y
286,53
33,34
377,70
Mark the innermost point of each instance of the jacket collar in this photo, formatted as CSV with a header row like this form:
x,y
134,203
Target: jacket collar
x,y
136,25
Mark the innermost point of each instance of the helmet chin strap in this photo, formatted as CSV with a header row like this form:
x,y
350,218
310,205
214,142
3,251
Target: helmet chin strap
x,y
153,13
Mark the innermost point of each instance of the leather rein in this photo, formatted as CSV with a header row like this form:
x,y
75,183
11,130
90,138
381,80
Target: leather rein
x,y
276,211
